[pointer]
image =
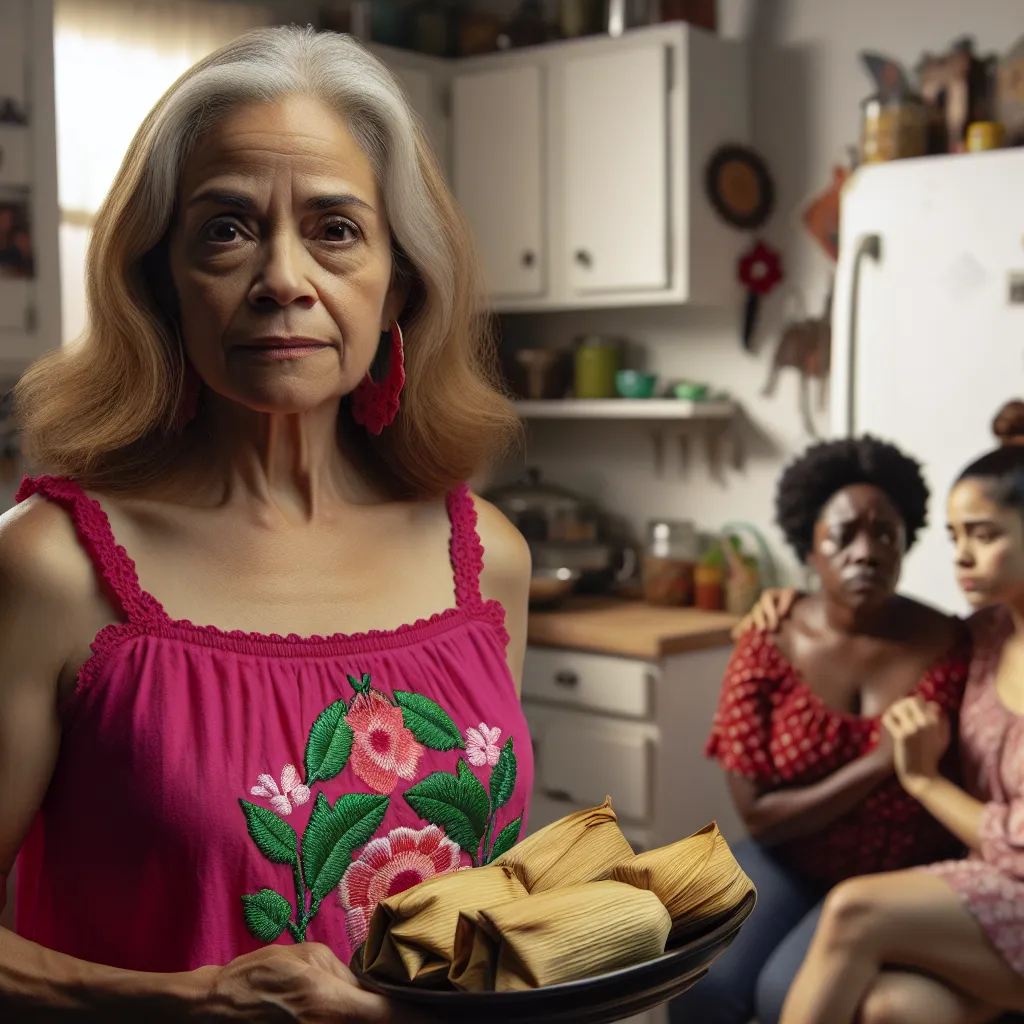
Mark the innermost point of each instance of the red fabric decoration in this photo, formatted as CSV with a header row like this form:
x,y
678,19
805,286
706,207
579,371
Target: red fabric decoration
x,y
375,405
760,270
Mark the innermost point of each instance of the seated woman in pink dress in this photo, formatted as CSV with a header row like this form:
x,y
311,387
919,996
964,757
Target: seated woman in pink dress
x,y
944,944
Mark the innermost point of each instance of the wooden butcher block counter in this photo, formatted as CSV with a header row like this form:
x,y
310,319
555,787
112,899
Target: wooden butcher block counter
x,y
629,629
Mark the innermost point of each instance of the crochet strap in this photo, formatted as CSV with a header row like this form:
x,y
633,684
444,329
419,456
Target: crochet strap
x,y
115,569
467,557
467,553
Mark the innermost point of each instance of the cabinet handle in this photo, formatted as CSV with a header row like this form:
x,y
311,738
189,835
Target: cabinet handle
x,y
583,258
528,259
566,678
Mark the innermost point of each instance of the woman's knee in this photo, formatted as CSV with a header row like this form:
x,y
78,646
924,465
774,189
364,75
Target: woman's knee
x,y
886,1004
853,915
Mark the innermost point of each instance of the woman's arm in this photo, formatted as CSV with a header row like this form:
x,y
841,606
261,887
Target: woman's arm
x,y
506,578
951,806
741,742
922,733
785,814
45,584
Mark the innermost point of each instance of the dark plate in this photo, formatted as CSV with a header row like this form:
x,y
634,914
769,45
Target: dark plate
x,y
608,997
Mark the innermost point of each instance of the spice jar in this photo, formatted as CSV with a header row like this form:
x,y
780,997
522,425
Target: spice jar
x,y
893,128
669,561
708,581
598,359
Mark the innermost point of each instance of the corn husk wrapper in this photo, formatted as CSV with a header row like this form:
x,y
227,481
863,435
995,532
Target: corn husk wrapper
x,y
581,847
557,936
697,879
412,934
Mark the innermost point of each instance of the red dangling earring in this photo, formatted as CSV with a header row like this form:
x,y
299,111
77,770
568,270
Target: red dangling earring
x,y
188,404
375,405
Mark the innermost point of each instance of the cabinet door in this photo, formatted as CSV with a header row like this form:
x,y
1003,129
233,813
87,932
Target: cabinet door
x,y
498,173
582,758
616,170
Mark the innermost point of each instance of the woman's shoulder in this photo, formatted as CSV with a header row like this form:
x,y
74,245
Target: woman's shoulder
x,y
42,562
756,659
927,625
506,553
991,625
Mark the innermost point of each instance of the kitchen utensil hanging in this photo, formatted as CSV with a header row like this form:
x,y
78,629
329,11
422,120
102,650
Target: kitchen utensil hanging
x,y
740,189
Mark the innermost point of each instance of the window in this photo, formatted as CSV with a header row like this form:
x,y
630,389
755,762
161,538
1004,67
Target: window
x,y
113,59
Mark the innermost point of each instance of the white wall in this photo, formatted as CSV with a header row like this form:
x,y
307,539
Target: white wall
x,y
808,84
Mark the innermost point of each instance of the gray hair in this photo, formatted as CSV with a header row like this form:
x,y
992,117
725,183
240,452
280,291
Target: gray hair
x,y
268,63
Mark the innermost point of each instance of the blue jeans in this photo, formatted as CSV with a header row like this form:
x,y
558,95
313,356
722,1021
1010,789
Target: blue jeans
x,y
751,978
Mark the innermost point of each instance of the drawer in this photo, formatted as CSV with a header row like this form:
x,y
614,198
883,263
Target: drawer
x,y
617,686
583,758
547,808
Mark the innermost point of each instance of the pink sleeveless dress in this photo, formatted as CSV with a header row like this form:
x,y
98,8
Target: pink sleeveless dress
x,y
217,791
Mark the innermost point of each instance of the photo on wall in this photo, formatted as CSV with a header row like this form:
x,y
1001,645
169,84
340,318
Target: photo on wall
x,y
16,253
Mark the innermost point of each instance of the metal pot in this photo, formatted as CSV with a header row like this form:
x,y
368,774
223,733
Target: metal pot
x,y
546,514
566,531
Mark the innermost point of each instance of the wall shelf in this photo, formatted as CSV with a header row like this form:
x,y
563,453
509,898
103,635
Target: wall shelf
x,y
712,421
644,409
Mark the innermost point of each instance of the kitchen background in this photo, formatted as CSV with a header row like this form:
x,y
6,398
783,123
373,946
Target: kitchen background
x,y
584,167
800,104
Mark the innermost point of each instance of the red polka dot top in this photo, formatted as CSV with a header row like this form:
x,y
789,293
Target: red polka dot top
x,y
772,728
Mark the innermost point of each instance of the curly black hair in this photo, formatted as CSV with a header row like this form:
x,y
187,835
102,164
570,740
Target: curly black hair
x,y
807,484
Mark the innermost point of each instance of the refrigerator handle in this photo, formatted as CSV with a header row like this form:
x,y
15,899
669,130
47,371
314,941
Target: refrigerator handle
x,y
870,246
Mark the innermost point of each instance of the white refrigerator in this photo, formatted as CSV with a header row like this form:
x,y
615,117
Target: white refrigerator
x,y
928,323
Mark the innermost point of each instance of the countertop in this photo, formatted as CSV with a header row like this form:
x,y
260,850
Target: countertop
x,y
629,629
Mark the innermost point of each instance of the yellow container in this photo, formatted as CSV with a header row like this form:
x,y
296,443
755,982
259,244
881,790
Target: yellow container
x,y
985,135
893,129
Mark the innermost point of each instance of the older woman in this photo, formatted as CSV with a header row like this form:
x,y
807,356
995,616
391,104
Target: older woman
x,y
267,427
798,727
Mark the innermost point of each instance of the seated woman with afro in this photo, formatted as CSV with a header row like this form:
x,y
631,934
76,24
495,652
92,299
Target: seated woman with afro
x,y
798,727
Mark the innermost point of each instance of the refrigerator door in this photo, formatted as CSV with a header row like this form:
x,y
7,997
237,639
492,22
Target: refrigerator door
x,y
928,323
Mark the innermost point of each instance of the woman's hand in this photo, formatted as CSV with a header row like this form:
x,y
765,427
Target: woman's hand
x,y
304,983
921,736
767,615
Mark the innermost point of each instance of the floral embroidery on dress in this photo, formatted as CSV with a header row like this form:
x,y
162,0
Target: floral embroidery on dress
x,y
482,745
291,791
383,749
390,865
384,738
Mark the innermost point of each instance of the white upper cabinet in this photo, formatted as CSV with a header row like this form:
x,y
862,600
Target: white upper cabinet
x,y
615,155
497,174
621,130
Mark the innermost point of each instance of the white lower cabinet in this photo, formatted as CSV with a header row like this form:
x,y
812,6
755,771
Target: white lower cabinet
x,y
632,730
